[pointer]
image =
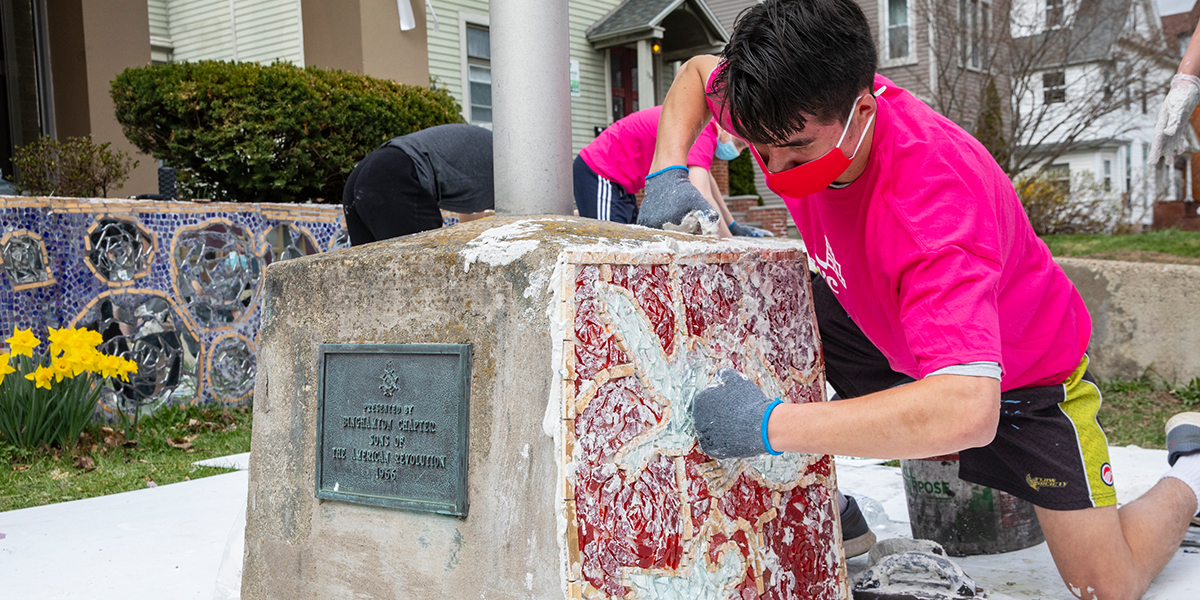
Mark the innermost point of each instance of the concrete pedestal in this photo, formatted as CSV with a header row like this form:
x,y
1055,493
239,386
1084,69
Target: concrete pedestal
x,y
589,341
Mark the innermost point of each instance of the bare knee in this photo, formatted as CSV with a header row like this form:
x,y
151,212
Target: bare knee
x,y
1107,587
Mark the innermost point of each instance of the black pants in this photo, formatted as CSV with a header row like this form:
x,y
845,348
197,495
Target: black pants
x,y
853,365
383,199
1049,447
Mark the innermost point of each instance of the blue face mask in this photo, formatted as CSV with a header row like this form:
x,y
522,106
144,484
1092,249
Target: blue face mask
x,y
726,151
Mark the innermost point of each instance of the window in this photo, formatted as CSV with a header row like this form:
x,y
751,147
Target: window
x,y
1108,175
1054,87
974,20
1060,176
1054,14
897,29
479,74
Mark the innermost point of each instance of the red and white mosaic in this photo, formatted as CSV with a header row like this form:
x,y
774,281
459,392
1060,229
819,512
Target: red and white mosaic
x,y
647,514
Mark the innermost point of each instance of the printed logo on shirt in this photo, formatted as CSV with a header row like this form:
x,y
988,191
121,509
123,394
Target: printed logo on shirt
x,y
831,269
1043,482
1106,474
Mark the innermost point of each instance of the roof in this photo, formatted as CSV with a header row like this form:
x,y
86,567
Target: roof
x,y
641,19
1182,24
1092,35
727,11
631,15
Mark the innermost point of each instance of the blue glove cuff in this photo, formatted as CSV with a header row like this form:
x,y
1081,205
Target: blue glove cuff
x,y
766,418
661,171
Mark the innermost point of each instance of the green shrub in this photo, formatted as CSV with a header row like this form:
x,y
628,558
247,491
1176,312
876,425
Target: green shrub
x,y
741,175
246,132
76,167
1069,206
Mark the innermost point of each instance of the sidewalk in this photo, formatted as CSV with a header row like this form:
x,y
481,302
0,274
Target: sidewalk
x,y
167,542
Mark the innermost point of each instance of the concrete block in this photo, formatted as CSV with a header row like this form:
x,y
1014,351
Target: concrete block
x,y
1143,317
589,340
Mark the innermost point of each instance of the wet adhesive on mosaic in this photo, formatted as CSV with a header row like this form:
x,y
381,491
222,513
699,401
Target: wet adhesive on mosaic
x,y
646,514
174,286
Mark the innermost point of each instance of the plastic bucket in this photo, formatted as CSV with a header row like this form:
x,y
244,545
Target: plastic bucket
x,y
965,518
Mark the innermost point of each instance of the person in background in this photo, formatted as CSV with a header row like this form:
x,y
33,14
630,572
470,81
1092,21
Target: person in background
x,y
1173,131
730,147
612,169
402,187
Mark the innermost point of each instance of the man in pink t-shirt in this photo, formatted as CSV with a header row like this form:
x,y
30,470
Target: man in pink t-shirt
x,y
946,326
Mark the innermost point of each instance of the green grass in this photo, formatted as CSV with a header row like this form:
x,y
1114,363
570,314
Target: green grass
x,y
1134,411
47,476
1168,241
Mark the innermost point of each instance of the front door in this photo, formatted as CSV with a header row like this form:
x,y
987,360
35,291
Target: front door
x,y
623,75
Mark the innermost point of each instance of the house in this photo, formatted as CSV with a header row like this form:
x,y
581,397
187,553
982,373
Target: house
x,y
1091,95
1178,29
623,55
61,56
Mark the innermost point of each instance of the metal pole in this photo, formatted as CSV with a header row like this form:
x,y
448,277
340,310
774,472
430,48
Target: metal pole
x,y
531,107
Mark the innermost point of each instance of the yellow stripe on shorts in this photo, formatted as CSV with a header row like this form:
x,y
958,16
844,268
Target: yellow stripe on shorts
x,y
1082,407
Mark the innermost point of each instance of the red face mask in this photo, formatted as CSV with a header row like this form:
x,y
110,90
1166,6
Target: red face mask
x,y
814,175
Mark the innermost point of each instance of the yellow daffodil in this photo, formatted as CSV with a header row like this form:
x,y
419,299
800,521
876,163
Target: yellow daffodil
x,y
106,365
23,342
90,337
5,368
60,370
41,377
125,368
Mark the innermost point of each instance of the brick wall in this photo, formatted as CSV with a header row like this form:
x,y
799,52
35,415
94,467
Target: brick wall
x,y
772,218
720,171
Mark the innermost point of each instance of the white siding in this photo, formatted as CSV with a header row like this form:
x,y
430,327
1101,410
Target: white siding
x,y
158,19
588,110
446,58
445,47
264,30
201,29
269,30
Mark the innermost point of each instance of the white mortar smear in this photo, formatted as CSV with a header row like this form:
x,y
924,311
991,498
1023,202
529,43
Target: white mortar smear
x,y
496,249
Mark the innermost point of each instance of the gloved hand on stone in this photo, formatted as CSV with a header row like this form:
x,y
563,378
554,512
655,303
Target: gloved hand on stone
x,y
670,197
1171,130
731,417
738,229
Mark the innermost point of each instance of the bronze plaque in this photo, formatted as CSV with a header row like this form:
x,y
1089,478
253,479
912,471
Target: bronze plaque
x,y
392,425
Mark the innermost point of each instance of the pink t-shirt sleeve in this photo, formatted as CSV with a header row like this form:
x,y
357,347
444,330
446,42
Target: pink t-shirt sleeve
x,y
948,308
701,154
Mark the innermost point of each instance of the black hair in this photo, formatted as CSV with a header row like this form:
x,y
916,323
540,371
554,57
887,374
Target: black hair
x,y
788,57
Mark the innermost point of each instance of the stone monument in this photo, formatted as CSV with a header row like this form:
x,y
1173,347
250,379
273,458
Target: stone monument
x,y
502,409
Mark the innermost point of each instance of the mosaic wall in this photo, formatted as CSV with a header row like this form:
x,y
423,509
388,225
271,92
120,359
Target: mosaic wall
x,y
647,514
174,286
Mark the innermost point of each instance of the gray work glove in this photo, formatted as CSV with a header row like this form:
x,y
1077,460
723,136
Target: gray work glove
x,y
747,231
731,417
1171,130
670,198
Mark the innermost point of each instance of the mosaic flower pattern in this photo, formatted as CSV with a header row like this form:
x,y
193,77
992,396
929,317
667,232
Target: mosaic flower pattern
x,y
120,251
223,306
231,368
24,260
285,241
648,514
149,331
217,273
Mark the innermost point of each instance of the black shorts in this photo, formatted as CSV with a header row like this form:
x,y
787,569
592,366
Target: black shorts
x,y
598,198
1049,448
384,199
